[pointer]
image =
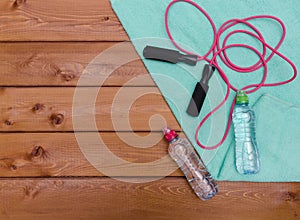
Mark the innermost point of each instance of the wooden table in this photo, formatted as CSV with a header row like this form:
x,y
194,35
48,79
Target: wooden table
x,y
44,48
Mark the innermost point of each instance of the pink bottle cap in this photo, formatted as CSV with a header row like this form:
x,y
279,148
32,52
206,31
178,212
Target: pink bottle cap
x,y
169,134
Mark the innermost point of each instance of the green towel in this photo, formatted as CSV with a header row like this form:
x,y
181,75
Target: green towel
x,y
278,116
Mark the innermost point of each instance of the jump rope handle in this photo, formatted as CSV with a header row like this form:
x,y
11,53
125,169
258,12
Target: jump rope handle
x,y
167,55
200,91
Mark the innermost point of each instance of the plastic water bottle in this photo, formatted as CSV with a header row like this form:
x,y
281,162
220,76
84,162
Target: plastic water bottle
x,y
246,154
191,165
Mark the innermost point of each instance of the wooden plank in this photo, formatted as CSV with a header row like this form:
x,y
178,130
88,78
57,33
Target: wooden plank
x,y
55,20
62,63
116,109
58,154
169,198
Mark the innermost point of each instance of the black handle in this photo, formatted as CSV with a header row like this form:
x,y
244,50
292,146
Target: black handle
x,y
197,99
167,55
200,91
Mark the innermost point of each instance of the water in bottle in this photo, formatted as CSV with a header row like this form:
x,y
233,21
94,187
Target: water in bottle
x,y
246,153
191,165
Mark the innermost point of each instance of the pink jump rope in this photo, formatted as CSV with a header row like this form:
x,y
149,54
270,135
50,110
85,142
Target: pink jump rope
x,y
218,49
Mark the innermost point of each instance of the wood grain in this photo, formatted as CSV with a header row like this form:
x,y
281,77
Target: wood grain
x,y
169,198
58,154
56,20
50,109
62,63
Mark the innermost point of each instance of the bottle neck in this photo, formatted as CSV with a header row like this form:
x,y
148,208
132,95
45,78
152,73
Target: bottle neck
x,y
242,104
173,140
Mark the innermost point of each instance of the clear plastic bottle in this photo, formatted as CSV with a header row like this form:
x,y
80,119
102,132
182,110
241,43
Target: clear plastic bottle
x,y
191,165
246,153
